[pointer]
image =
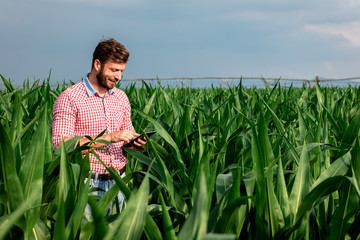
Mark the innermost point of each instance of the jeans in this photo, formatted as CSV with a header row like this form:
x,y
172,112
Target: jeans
x,y
104,185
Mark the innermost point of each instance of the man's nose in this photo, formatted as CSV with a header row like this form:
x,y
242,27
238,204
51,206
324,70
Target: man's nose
x,y
118,76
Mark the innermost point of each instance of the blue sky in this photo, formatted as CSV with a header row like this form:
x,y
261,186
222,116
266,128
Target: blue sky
x,y
278,38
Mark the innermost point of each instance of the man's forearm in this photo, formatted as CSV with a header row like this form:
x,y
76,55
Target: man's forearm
x,y
84,140
115,137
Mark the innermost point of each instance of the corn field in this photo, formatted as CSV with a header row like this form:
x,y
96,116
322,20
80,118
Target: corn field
x,y
225,163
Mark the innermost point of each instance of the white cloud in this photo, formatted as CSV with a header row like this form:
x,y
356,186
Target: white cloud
x,y
348,30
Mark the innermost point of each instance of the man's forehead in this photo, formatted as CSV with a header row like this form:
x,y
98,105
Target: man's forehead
x,y
112,64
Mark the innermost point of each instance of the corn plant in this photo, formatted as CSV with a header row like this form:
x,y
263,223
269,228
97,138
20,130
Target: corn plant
x,y
226,163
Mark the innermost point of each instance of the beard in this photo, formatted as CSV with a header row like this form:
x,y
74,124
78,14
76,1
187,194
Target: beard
x,y
101,78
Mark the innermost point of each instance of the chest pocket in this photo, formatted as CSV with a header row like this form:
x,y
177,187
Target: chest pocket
x,y
117,120
115,114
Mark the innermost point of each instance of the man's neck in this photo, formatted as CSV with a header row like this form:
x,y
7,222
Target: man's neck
x,y
94,82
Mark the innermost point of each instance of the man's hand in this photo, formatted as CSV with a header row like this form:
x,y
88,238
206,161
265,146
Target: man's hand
x,y
122,135
127,136
138,143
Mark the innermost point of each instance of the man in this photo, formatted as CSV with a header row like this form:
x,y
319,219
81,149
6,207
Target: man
x,y
95,104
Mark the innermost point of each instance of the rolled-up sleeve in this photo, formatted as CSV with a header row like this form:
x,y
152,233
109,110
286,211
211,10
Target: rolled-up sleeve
x,y
64,119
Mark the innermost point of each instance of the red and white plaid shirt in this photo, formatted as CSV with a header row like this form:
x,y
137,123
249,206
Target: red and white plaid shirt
x,y
80,111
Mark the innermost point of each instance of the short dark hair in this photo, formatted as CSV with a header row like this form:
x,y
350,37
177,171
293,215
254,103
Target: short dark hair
x,y
110,50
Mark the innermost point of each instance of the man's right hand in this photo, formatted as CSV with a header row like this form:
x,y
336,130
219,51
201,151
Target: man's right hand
x,y
122,135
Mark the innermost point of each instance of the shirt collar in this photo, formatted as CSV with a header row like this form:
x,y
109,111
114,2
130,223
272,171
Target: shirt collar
x,y
90,90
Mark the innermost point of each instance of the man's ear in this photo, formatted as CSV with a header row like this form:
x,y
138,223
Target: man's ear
x,y
97,65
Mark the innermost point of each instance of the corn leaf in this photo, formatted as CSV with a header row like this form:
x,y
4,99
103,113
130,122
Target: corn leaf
x,y
169,231
195,226
131,222
32,168
12,194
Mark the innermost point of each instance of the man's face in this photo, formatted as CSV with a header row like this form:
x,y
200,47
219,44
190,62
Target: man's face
x,y
109,74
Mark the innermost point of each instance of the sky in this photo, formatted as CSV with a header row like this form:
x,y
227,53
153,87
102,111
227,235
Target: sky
x,y
198,38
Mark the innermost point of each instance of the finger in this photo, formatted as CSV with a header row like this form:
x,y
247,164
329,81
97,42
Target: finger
x,y
141,141
128,136
133,135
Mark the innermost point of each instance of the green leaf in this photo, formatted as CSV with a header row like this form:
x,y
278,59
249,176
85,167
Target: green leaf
x,y
313,198
301,185
146,160
233,216
173,104
109,196
59,229
337,168
40,230
355,161
169,232
151,230
101,228
74,222
219,236
196,224
236,219
300,189
326,187
302,126
150,103
258,168
66,188
8,221
119,181
352,131
320,95
280,127
223,183
7,83
165,135
282,194
130,224
32,168
10,179
273,211
16,121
